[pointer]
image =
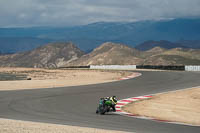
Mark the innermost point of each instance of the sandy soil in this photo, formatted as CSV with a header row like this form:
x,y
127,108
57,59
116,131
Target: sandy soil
x,y
180,106
44,78
16,126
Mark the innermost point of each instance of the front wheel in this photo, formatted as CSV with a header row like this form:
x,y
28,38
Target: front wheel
x,y
97,111
104,110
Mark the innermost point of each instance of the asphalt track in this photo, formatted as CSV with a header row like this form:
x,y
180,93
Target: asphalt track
x,y
76,105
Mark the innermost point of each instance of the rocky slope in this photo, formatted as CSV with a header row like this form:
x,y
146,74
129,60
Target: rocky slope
x,y
110,54
49,56
118,54
176,56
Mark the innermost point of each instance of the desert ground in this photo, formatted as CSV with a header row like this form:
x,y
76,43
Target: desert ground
x,y
17,126
45,78
181,106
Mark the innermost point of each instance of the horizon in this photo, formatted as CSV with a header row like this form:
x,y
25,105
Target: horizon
x,y
103,22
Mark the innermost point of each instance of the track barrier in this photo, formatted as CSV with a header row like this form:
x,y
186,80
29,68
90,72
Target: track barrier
x,y
118,67
160,67
192,68
76,67
134,67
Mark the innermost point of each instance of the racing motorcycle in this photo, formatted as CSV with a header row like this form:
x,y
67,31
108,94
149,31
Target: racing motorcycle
x,y
104,106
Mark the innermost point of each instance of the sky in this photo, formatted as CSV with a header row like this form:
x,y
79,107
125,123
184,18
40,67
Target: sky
x,y
28,13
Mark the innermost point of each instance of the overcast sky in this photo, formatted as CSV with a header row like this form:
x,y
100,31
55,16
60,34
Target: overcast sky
x,y
77,12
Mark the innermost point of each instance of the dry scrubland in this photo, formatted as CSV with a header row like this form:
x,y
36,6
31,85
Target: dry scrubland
x,y
47,78
180,106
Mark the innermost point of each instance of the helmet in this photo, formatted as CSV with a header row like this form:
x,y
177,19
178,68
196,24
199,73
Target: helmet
x,y
114,96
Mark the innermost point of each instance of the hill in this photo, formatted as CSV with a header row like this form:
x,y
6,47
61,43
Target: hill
x,y
110,54
176,56
49,56
119,54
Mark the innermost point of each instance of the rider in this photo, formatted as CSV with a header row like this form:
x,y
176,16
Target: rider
x,y
114,102
103,101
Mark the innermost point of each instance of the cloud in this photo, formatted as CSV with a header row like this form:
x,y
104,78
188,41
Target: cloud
x,y
77,12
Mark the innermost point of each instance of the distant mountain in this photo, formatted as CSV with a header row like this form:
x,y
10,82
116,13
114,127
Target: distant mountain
x,y
195,44
49,56
90,36
163,44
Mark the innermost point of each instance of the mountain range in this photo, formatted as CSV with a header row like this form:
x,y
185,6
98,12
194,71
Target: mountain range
x,y
168,45
185,32
55,55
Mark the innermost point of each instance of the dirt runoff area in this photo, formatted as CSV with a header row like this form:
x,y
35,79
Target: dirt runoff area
x,y
47,78
17,126
181,106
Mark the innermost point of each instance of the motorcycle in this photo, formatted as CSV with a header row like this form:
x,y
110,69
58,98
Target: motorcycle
x,y
104,106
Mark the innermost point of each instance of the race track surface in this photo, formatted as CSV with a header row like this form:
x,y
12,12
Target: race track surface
x,y
77,105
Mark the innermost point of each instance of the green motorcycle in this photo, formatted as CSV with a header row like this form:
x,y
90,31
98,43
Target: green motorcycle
x,y
105,105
